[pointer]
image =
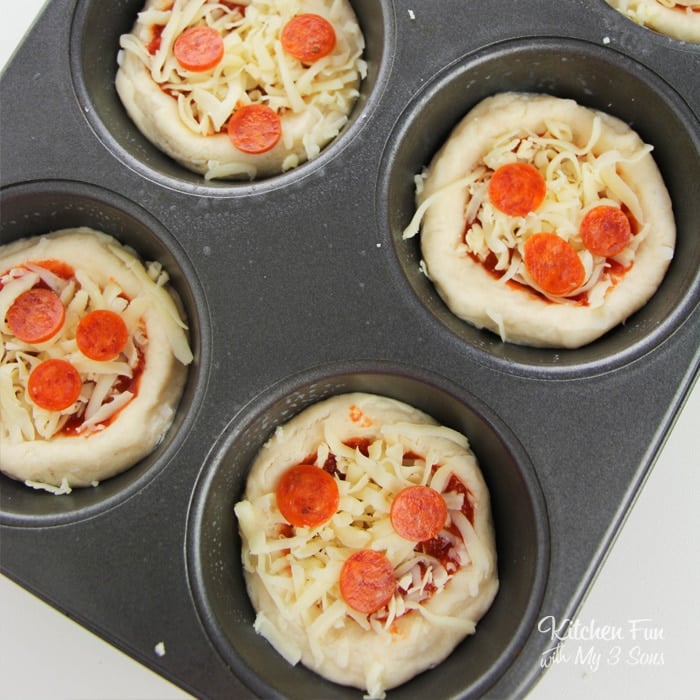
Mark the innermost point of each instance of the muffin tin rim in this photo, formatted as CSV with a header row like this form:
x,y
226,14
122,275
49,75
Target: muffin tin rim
x,y
222,188
457,68
255,409
201,364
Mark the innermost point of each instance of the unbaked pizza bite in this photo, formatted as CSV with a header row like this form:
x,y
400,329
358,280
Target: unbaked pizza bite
x,y
679,19
93,358
241,90
543,221
367,541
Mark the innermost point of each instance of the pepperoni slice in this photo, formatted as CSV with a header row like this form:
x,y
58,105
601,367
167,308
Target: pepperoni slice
x,y
307,496
308,37
517,188
101,335
36,315
254,128
54,385
553,264
367,581
418,513
605,230
199,49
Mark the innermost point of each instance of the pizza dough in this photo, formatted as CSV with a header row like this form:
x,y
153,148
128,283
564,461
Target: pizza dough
x,y
477,256
679,19
127,391
186,112
374,448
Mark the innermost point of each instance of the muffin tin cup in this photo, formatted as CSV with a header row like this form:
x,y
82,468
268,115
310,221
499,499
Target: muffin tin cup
x,y
299,287
519,512
595,77
37,208
95,26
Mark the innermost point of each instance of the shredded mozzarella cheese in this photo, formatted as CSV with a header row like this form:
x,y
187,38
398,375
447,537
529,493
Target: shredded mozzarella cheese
x,y
577,179
105,389
61,490
101,396
254,68
300,567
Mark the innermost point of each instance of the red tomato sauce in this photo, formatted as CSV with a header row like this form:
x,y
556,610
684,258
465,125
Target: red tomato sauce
x,y
56,267
74,423
156,35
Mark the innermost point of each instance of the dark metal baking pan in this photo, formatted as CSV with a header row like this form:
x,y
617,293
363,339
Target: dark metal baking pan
x,y
519,515
300,286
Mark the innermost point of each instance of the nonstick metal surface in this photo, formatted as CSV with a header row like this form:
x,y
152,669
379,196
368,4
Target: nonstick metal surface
x,y
300,286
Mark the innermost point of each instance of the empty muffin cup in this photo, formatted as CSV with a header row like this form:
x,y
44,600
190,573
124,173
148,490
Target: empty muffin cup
x,y
596,77
42,207
518,508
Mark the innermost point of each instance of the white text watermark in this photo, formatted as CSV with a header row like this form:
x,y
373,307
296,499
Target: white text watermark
x,y
635,642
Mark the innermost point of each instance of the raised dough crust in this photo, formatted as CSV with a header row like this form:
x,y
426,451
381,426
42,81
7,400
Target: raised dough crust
x,y
83,460
349,654
156,114
518,315
680,22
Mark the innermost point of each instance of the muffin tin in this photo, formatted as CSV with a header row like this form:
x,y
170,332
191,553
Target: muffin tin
x,y
300,286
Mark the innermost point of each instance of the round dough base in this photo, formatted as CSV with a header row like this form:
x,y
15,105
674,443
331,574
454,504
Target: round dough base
x,y
156,115
85,459
519,315
352,655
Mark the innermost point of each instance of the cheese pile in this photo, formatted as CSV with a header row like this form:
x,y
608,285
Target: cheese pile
x,y
300,567
254,68
102,393
577,177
